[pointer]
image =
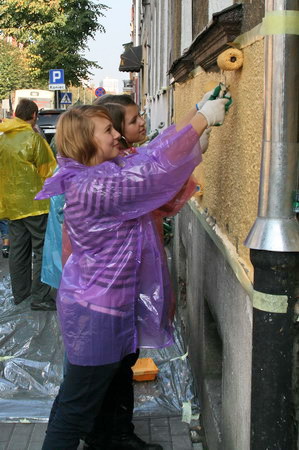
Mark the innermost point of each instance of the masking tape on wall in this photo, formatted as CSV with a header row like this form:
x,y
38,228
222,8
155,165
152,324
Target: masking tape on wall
x,y
183,357
186,412
248,38
274,22
270,303
280,22
187,415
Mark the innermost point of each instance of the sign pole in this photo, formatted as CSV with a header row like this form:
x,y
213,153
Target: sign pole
x,y
57,101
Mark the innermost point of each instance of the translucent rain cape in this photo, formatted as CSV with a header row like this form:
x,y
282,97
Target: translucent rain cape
x,y
52,251
115,293
26,160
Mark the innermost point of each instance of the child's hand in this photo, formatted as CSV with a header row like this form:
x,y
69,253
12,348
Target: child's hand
x,y
214,111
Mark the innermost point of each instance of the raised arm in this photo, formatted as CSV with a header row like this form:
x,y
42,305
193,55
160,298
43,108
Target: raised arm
x,y
151,178
201,117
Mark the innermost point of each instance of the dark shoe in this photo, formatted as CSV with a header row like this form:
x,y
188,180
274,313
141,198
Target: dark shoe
x,y
91,445
5,251
49,305
17,302
132,442
126,442
96,447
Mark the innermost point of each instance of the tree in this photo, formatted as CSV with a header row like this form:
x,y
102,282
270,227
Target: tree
x,y
14,70
54,33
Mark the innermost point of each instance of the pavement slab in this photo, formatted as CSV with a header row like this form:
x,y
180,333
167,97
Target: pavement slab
x,y
170,432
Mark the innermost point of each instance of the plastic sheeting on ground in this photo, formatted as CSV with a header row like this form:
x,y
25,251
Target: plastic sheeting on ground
x,y
31,356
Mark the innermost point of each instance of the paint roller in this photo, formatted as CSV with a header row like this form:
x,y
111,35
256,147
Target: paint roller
x,y
231,59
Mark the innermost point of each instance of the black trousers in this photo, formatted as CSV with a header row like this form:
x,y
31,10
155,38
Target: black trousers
x,y
79,401
116,415
27,236
94,403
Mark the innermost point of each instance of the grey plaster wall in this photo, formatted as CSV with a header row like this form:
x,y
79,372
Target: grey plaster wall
x,y
216,313
254,11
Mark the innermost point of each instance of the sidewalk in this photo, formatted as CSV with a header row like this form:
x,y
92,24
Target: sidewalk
x,y
170,432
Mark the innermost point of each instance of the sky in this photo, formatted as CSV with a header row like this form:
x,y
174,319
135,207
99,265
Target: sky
x,y
107,47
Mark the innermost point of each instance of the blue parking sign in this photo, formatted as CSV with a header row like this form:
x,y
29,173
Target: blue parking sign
x,y
56,76
56,80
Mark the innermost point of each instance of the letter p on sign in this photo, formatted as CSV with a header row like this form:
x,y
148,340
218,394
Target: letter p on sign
x,y
56,75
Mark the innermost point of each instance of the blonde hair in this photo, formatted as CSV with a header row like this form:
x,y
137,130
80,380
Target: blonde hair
x,y
75,130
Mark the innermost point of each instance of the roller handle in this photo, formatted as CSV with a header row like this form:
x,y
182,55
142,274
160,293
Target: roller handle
x,y
220,91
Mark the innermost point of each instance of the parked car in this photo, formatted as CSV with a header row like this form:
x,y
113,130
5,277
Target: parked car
x,y
46,121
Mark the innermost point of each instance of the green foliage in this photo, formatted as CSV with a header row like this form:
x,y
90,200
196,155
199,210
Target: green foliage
x,y
14,71
54,33
26,19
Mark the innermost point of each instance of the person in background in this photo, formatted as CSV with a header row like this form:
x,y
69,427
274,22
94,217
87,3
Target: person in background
x,y
26,160
107,301
4,237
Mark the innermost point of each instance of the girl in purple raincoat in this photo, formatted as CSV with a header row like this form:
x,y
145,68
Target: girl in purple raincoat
x,y
115,294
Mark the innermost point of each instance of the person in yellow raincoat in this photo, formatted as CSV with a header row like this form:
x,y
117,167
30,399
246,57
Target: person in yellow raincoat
x,y
26,160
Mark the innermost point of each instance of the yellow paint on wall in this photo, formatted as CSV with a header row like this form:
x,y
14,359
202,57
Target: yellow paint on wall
x,y
230,169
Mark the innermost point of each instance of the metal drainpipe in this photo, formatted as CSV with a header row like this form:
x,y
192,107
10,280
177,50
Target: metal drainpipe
x,y
274,244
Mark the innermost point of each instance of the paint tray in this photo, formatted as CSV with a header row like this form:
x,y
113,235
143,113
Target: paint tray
x,y
145,370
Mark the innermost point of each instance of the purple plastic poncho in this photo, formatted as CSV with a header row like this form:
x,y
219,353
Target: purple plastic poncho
x,y
115,293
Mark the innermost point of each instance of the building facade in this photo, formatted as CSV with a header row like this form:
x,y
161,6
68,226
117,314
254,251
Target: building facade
x,y
218,300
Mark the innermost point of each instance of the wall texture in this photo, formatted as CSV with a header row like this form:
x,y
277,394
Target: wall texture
x,y
230,169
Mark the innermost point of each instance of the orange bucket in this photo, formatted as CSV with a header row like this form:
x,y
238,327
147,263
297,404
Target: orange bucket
x,y
145,370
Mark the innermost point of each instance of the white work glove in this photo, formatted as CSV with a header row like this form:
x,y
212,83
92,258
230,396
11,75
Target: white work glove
x,y
214,111
204,140
204,99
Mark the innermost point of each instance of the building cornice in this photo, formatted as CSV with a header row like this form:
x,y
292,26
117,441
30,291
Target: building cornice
x,y
224,27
